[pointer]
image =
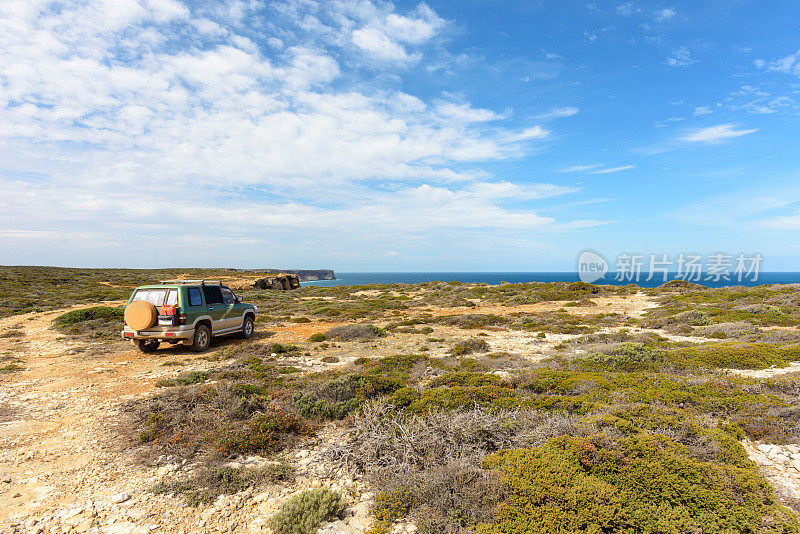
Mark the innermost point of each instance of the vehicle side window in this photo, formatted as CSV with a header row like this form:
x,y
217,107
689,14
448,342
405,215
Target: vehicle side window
x,y
172,297
213,295
195,299
228,296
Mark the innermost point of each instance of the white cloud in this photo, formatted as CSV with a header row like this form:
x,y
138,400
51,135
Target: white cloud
x,y
534,132
680,57
379,45
386,36
614,169
702,110
715,134
109,106
789,64
581,168
167,10
465,114
785,222
558,113
663,15
742,207
627,9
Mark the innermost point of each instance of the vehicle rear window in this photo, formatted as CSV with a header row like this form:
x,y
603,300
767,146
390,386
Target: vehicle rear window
x,y
213,295
194,297
172,297
156,297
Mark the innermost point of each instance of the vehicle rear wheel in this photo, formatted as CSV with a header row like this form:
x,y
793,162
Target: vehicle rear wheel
x,y
202,338
146,345
248,327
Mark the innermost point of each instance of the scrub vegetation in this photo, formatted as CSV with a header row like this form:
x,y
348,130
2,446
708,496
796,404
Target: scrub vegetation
x,y
475,408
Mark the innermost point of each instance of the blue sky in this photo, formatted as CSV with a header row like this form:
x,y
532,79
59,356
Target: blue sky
x,y
379,136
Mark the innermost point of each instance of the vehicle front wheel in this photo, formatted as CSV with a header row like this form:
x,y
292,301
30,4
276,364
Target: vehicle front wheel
x,y
248,327
202,338
147,346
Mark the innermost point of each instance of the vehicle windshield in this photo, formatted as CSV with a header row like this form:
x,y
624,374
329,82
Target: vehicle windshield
x,y
156,297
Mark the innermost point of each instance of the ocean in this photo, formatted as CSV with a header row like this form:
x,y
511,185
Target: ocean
x,y
358,279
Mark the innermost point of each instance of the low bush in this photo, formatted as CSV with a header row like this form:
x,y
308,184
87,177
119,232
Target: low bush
x,y
450,398
429,466
278,348
306,511
734,355
472,320
12,334
264,433
355,332
88,314
389,506
624,357
693,318
469,346
98,322
642,483
205,486
464,378
10,368
215,420
317,338
336,398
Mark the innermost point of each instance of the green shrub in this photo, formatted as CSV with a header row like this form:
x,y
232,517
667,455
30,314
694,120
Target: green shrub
x,y
277,348
465,379
191,377
388,507
317,338
355,332
450,398
642,483
208,484
469,346
88,314
624,357
264,433
10,368
306,511
472,320
735,355
404,397
336,398
694,318
396,367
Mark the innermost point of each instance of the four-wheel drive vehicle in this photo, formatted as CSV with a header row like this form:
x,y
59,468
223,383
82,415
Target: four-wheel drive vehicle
x,y
187,311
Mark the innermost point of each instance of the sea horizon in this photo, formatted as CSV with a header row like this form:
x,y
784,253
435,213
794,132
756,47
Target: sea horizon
x,y
498,277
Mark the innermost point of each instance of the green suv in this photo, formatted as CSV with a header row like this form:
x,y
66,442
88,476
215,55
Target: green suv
x,y
187,311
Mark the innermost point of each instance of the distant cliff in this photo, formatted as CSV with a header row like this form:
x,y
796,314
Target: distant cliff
x,y
306,275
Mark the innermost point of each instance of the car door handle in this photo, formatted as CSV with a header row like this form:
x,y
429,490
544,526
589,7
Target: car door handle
x,y
211,309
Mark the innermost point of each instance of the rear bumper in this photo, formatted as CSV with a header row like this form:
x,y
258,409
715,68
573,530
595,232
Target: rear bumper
x,y
164,333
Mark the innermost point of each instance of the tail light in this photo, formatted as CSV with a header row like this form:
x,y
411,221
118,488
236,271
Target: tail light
x,y
181,318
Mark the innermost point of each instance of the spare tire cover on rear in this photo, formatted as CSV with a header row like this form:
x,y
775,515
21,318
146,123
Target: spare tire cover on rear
x,y
140,314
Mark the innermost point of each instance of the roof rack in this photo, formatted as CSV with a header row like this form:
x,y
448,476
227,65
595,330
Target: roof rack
x,y
184,282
